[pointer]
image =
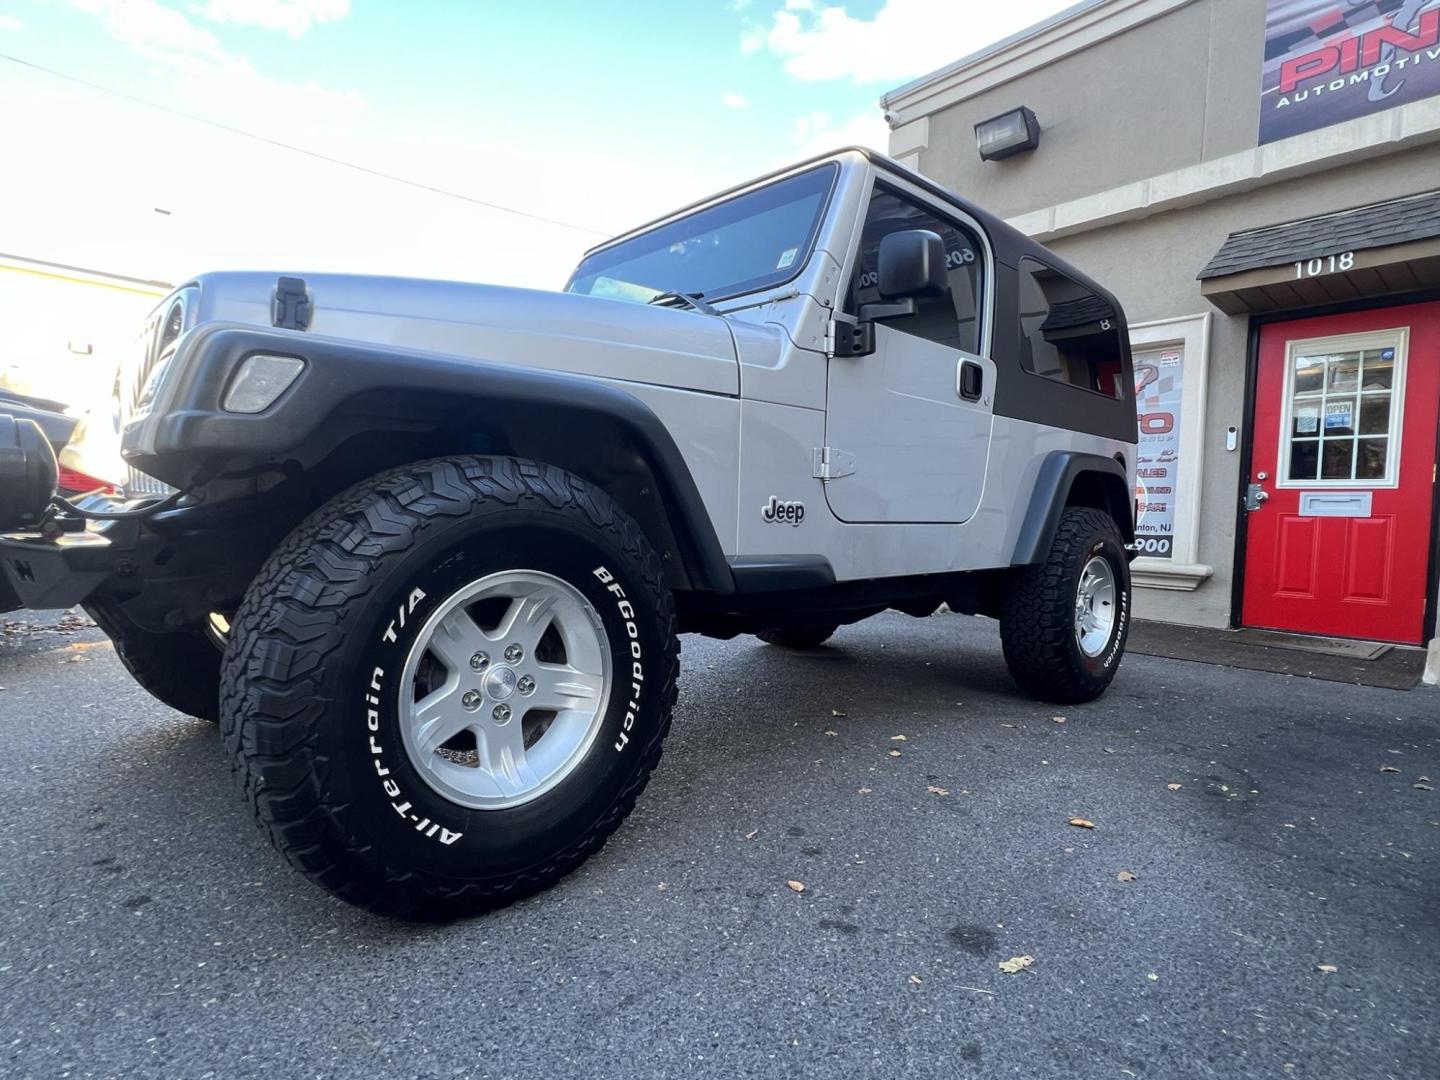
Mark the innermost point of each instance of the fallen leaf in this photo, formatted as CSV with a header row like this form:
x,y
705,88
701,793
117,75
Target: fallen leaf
x,y
832,733
1423,787
894,753
1081,823
1423,779
1058,719
1017,963
752,834
897,738
1153,977
933,790
796,886
836,712
1329,969
1124,875
866,790
915,980
1286,825
662,886
1388,768
1174,787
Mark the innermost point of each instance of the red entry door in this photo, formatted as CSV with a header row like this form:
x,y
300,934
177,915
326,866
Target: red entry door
x,y
1342,474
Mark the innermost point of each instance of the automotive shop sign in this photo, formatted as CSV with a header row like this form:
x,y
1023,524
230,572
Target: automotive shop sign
x,y
1327,61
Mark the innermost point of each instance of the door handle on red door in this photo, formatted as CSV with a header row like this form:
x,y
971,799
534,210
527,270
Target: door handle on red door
x,y
1254,496
970,380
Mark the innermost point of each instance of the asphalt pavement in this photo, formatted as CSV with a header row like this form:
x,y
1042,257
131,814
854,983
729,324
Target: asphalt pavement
x,y
1283,919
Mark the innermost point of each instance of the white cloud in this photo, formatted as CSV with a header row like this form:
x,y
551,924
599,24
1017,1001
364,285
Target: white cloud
x,y
817,133
9,22
735,101
212,79
293,17
905,39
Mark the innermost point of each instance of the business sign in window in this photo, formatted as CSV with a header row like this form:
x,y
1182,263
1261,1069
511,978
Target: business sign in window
x,y
1159,382
1327,61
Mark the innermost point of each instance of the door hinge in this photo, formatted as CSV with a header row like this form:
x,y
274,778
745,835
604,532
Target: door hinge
x,y
831,464
849,338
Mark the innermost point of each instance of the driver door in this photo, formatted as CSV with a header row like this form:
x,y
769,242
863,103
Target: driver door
x,y
914,416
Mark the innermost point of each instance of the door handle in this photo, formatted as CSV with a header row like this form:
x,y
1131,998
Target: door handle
x,y
970,380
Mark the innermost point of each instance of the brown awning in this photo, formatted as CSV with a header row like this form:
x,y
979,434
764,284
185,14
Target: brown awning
x,y
1377,250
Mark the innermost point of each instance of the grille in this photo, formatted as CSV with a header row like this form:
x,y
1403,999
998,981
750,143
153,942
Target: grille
x,y
139,483
157,337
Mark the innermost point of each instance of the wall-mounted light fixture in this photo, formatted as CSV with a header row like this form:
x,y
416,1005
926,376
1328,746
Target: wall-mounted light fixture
x,y
1008,134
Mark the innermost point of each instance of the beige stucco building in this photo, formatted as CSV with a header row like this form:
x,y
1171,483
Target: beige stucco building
x,y
1181,138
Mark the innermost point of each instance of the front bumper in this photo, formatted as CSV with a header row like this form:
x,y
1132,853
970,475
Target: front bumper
x,y
55,573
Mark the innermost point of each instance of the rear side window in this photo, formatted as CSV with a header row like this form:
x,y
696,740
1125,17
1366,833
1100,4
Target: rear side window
x,y
1068,332
951,319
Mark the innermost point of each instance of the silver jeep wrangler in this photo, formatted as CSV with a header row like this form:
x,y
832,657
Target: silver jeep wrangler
x,y
424,548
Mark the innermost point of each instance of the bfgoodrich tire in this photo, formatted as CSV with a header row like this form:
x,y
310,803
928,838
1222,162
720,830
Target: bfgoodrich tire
x,y
181,669
1065,620
462,591
807,638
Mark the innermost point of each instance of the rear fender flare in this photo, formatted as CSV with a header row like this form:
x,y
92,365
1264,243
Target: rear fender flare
x,y
1071,478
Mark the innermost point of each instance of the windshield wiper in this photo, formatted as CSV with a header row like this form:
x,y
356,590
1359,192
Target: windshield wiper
x,y
695,300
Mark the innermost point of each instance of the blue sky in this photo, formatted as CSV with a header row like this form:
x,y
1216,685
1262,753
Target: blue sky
x,y
598,115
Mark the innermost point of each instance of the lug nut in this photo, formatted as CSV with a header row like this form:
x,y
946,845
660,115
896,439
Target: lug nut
x,y
526,685
514,653
471,700
502,713
480,661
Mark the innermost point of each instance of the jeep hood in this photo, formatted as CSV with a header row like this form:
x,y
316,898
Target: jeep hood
x,y
586,335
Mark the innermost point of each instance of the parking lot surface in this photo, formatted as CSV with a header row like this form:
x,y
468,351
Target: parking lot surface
x,y
1278,917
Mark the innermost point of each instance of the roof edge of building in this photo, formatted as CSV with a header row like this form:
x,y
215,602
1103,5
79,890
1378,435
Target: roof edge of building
x,y
1077,27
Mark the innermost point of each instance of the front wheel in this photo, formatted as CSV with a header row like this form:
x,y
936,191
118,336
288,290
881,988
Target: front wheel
x,y
449,686
179,669
1064,623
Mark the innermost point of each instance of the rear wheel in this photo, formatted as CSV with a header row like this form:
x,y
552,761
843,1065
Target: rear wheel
x,y
811,637
448,687
180,669
1065,621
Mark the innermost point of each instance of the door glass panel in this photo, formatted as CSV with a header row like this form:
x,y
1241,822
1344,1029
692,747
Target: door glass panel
x,y
1375,414
1379,369
1336,459
1305,418
1370,459
1344,373
1309,374
1304,458
1340,415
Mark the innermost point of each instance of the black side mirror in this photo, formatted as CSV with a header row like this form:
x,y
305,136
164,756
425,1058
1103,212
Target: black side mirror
x,y
911,263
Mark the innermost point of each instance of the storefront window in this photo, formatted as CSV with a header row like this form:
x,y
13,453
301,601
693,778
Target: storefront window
x,y
1159,386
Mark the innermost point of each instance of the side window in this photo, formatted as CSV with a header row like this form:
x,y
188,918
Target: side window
x,y
1068,333
952,319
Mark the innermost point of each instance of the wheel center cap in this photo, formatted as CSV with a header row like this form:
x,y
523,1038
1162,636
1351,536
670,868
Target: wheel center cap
x,y
500,683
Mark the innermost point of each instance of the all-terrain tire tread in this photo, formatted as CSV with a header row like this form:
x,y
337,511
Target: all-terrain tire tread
x,y
180,669
1037,617
290,626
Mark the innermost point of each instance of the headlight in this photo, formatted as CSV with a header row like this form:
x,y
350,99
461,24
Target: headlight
x,y
260,382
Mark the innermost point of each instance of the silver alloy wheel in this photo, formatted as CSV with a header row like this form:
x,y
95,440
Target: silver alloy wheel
x,y
1095,606
505,689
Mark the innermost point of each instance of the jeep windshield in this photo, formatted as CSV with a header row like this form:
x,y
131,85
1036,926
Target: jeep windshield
x,y
753,241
